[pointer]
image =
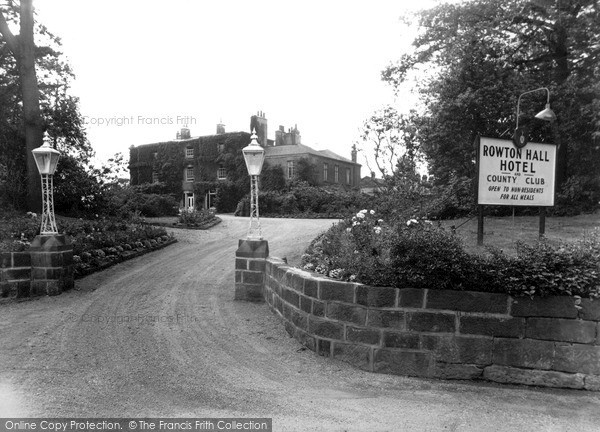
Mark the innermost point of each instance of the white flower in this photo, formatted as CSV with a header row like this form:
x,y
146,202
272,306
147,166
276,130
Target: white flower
x,y
348,229
377,230
411,221
363,211
380,220
372,212
360,215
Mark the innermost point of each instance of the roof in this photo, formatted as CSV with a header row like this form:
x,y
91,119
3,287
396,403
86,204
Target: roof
x,y
192,139
299,149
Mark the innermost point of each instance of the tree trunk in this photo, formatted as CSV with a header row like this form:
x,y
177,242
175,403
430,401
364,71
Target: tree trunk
x,y
34,134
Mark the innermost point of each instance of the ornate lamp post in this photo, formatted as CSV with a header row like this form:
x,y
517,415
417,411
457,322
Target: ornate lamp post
x,y
46,159
519,137
253,250
51,253
254,156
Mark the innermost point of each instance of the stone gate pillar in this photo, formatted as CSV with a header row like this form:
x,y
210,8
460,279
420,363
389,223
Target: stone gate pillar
x,y
51,264
250,269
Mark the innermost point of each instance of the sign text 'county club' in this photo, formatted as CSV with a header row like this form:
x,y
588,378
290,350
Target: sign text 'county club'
x,y
516,176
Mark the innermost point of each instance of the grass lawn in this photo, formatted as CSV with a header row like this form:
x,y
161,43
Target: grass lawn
x,y
503,232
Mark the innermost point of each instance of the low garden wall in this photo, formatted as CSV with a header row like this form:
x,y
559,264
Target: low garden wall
x,y
551,341
35,272
15,274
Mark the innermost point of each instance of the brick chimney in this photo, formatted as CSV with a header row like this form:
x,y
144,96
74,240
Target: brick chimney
x,y
258,122
353,153
184,133
220,128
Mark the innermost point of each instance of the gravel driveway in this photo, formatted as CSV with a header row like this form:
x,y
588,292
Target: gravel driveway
x,y
161,336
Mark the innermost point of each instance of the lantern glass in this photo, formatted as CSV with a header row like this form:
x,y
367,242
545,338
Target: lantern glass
x,y
46,159
254,159
254,156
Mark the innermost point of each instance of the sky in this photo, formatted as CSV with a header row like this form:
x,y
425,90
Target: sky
x,y
144,68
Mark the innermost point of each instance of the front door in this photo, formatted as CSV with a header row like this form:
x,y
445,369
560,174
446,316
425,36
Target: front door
x,y
189,200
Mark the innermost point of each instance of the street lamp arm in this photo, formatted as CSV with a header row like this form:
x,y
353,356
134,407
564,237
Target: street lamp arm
x,y
527,92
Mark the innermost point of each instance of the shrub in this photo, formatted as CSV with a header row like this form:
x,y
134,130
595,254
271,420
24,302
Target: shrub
x,y
130,200
303,200
429,256
420,254
356,249
193,217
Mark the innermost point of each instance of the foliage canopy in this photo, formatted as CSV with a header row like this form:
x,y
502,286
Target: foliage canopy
x,y
474,59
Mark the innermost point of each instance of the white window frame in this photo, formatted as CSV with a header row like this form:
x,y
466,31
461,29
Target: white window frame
x,y
155,177
291,169
348,176
189,152
221,173
188,177
325,172
336,173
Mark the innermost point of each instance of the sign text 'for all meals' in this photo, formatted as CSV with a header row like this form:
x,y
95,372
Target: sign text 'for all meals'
x,y
516,176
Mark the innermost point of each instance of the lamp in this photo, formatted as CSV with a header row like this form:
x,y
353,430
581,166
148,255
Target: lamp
x,y
254,156
519,138
46,159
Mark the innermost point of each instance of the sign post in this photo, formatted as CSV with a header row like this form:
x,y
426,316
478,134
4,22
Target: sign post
x,y
515,176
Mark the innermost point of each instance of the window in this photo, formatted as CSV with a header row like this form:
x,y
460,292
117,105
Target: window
x,y
189,152
291,169
221,147
189,174
154,177
347,175
325,167
336,173
221,175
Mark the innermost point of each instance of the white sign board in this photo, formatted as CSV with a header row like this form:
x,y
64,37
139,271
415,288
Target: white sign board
x,y
516,176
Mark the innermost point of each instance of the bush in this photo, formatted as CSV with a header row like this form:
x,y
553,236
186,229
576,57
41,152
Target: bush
x,y
355,250
429,256
303,200
17,230
193,217
133,199
420,254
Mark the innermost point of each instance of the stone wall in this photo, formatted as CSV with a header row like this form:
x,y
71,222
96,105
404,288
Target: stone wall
x,y
440,334
15,274
45,269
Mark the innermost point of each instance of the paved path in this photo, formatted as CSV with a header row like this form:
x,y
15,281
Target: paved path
x,y
178,345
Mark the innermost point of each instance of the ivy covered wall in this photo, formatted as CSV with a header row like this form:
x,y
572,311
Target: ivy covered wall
x,y
168,160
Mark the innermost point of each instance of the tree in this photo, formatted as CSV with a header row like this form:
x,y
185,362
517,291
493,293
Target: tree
x,y
391,138
272,178
29,105
306,171
475,58
23,50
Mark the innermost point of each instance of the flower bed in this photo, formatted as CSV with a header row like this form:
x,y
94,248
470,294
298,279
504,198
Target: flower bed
x,y
197,219
421,254
96,243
